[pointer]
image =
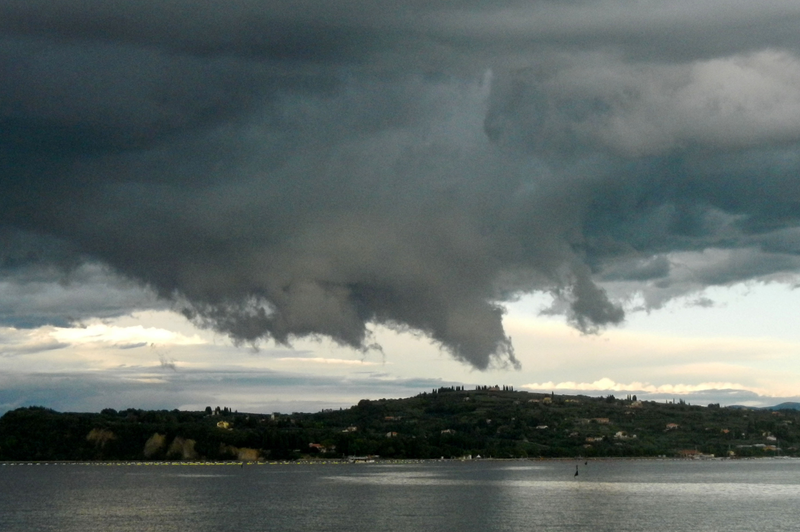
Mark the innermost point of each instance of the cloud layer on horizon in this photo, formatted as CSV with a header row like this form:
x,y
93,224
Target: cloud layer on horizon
x,y
280,170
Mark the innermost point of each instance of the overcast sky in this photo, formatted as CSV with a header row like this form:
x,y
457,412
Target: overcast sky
x,y
279,206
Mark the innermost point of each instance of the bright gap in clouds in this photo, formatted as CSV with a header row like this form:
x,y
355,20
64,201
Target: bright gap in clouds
x,y
705,345
121,336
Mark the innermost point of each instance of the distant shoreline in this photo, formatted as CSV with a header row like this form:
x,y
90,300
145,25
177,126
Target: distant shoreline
x,y
345,461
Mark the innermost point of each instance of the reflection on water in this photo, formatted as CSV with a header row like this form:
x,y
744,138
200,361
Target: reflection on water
x,y
504,496
200,476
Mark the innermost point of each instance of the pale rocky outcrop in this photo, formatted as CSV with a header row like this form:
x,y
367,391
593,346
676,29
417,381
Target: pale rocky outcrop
x,y
100,437
154,445
183,449
244,454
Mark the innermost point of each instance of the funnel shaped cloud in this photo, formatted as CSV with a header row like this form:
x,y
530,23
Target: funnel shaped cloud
x,y
280,170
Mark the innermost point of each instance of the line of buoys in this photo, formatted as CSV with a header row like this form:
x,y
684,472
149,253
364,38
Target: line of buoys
x,y
200,463
175,463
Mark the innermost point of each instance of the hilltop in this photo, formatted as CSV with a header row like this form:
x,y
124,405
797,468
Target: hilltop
x,y
785,406
448,422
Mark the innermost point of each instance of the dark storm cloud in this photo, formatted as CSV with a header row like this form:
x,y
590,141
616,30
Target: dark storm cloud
x,y
284,169
44,281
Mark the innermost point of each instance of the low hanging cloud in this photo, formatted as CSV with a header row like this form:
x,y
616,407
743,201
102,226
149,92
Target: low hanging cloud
x,y
724,393
606,384
277,171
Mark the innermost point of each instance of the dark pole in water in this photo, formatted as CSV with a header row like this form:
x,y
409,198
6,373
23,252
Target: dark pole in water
x,y
576,470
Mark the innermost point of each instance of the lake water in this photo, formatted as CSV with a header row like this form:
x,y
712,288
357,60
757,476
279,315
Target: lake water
x,y
543,496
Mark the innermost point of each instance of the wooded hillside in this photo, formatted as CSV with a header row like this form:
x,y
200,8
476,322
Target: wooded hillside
x,y
449,422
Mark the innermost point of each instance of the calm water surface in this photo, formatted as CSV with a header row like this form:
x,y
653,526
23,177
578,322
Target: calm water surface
x,y
752,495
